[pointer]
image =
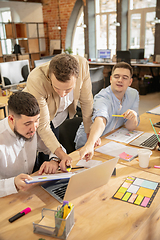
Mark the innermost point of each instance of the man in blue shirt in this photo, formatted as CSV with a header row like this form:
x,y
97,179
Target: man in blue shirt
x,y
116,99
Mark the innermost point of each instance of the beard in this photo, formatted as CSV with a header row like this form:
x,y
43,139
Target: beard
x,y
20,136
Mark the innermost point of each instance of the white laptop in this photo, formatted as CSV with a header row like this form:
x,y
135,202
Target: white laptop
x,y
82,182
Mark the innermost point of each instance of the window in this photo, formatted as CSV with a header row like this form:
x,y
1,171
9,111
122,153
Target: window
x,y
140,25
105,28
78,45
5,16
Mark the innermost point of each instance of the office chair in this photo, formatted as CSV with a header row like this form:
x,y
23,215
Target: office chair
x,y
67,133
97,79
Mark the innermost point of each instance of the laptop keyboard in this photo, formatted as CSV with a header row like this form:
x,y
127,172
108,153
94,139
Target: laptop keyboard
x,y
150,142
60,191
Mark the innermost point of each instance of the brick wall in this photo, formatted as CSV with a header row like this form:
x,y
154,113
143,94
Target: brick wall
x,y
51,9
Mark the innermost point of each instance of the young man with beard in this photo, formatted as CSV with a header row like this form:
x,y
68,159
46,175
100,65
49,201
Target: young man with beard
x,y
116,99
19,143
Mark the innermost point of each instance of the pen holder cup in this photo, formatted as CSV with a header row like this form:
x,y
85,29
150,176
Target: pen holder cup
x,y
53,226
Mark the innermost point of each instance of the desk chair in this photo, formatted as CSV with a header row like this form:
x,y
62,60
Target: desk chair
x,y
67,133
97,79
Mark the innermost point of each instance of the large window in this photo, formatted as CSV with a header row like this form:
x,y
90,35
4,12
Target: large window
x,y
141,27
105,27
5,16
78,45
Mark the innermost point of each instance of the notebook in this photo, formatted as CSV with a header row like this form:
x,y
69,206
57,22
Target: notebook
x,y
146,140
82,182
118,150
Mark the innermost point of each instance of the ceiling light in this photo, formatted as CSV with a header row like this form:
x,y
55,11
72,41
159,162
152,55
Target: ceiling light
x,y
156,20
117,24
82,25
56,28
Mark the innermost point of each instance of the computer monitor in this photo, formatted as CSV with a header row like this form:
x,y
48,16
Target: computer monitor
x,y
14,73
104,53
37,63
123,56
137,53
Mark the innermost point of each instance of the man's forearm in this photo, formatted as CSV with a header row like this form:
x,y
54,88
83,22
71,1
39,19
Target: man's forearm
x,y
96,130
131,124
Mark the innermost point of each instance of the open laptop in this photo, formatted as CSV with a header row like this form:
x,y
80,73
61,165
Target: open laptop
x,y
146,140
82,182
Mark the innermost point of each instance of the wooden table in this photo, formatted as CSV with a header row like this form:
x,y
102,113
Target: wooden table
x,y
97,215
144,126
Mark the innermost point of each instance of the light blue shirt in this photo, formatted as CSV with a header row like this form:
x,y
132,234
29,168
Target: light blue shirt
x,y
107,104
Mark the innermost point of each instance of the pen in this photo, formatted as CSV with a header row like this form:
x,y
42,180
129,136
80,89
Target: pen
x,y
117,116
20,214
156,166
69,167
154,130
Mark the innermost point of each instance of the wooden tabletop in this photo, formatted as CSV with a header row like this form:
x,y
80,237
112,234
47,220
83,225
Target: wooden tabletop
x,y
97,215
144,126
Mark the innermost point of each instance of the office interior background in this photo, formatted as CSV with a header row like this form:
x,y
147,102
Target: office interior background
x,y
85,26
88,25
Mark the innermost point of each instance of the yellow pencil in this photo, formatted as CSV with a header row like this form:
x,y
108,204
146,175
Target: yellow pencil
x,y
117,116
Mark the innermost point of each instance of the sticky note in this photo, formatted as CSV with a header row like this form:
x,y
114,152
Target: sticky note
x,y
124,155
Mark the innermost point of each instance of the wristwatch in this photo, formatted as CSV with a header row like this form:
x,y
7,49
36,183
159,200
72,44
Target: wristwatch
x,y
56,159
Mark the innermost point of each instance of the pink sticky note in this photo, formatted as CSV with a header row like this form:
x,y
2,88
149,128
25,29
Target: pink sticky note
x,y
124,155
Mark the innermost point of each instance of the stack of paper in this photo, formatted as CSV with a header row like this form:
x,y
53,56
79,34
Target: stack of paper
x,y
118,150
155,111
123,135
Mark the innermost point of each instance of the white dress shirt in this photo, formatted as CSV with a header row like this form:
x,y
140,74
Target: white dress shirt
x,y
16,156
62,112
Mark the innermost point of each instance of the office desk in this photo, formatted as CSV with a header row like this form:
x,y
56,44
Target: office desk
x,y
132,64
144,126
97,215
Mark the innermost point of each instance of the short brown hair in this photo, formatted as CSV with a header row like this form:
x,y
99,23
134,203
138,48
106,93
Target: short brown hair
x,y
123,65
23,103
64,66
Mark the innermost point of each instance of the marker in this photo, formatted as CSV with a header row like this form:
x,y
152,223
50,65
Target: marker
x,y
20,214
156,166
68,168
117,116
154,130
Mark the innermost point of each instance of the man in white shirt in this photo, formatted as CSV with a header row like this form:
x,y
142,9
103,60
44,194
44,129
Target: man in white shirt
x,y
19,143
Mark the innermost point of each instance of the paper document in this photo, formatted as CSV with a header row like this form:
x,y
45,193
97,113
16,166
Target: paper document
x,y
88,164
118,150
155,111
49,177
123,135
